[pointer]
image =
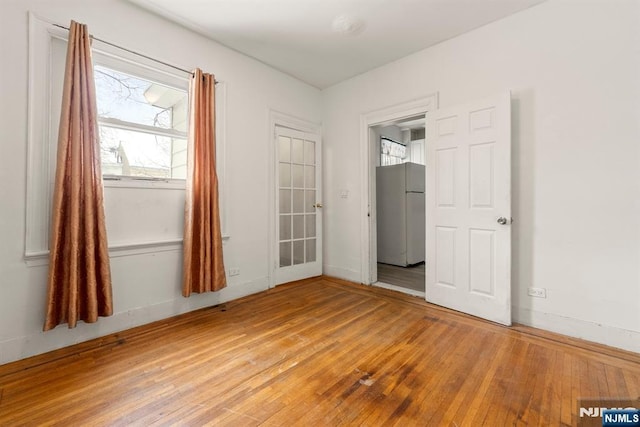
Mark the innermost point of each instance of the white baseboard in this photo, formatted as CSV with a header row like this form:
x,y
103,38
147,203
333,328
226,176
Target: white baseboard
x,y
42,342
399,289
590,331
341,273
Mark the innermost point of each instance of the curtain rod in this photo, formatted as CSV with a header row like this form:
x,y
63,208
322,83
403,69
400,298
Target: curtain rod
x,y
134,52
393,140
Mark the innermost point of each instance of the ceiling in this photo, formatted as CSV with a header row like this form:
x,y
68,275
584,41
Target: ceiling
x,y
323,42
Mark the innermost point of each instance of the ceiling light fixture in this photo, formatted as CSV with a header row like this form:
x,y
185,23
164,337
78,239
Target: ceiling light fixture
x,y
347,25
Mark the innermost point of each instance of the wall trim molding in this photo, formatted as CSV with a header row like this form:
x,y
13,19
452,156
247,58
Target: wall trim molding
x,y
39,177
341,273
278,118
34,259
582,329
42,342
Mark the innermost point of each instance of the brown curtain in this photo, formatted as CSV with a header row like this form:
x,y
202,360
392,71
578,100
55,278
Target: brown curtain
x,y
79,284
203,264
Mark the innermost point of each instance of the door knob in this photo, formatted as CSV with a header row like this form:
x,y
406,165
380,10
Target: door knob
x,y
502,220
317,205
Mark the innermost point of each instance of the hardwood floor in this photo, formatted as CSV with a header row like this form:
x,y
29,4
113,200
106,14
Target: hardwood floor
x,y
411,277
317,352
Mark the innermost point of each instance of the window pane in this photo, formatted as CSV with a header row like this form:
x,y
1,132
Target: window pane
x,y
310,177
391,152
311,250
298,175
311,225
285,227
298,201
179,159
297,155
285,175
131,153
310,201
298,252
136,100
310,152
298,226
285,201
285,149
285,254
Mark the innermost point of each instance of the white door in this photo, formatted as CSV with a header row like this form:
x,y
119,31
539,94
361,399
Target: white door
x,y
298,227
469,208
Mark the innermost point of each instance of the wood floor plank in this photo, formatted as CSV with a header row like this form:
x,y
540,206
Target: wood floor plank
x,y
317,352
410,277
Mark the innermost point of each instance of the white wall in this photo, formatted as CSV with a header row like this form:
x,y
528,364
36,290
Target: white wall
x,y
146,285
574,72
391,131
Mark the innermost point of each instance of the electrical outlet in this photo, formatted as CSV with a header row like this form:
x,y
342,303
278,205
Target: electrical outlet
x,y
537,292
234,271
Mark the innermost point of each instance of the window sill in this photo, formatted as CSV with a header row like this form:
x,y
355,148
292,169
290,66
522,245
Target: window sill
x,y
159,184
34,259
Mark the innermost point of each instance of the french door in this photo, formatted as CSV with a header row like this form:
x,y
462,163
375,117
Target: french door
x,y
298,227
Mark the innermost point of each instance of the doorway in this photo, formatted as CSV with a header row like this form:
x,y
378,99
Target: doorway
x,y
370,146
468,189
295,186
400,204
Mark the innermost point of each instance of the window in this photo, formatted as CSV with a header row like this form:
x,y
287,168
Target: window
x,y
143,126
145,118
392,152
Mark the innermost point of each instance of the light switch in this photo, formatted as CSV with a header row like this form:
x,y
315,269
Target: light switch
x,y
344,194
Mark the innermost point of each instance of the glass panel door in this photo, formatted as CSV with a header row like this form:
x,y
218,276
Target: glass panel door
x,y
298,216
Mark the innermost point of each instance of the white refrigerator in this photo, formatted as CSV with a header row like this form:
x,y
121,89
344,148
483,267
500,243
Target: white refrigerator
x,y
400,211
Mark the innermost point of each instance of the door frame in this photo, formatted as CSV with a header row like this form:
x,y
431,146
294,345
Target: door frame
x,y
387,115
280,119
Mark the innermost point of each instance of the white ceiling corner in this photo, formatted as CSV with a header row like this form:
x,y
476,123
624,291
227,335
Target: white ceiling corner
x,y
298,36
